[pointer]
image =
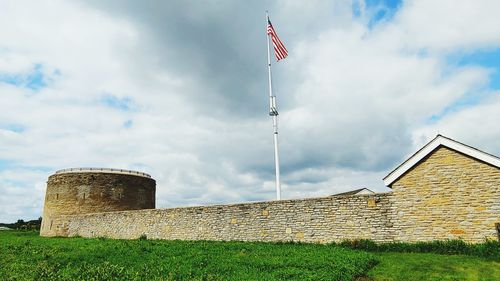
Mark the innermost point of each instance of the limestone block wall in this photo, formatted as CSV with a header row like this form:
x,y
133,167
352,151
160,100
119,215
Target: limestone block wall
x,y
447,196
89,191
319,220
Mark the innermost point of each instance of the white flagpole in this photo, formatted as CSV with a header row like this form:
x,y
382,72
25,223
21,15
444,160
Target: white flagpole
x,y
274,113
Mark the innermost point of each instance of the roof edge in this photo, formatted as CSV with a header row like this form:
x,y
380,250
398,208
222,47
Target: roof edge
x,y
354,191
439,140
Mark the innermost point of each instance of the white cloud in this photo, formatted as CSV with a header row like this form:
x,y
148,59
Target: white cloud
x,y
446,25
354,100
476,126
22,194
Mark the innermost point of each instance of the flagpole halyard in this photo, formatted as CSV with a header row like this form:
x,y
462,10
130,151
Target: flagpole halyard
x,y
273,111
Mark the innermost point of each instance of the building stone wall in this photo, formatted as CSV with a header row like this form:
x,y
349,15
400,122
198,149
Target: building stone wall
x,y
447,195
319,220
90,192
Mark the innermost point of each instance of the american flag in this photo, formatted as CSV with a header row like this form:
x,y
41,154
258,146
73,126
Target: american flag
x,y
279,49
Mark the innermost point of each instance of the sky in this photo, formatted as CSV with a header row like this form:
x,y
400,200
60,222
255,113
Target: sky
x,y
178,89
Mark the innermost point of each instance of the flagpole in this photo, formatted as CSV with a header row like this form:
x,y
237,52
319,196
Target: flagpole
x,y
274,113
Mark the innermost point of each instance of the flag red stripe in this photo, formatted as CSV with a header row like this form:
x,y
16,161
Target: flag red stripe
x,y
279,54
280,43
279,48
279,51
277,43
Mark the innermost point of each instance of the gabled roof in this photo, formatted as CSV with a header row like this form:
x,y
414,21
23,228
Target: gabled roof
x,y
440,140
354,192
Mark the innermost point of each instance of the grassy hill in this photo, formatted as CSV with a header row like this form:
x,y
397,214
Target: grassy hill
x,y
26,256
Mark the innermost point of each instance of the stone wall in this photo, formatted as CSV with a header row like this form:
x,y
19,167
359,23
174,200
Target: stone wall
x,y
447,195
320,220
91,192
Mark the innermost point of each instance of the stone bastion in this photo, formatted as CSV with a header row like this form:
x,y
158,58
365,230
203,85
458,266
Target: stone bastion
x,y
95,190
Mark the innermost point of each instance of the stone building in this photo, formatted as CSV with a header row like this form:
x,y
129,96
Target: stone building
x,y
446,190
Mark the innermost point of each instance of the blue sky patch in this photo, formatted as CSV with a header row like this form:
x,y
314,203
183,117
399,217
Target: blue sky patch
x,y
14,128
467,100
376,10
124,104
484,58
356,9
481,58
390,4
4,164
33,79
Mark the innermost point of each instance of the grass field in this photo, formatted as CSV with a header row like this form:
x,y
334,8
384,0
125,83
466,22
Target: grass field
x,y
425,266
26,256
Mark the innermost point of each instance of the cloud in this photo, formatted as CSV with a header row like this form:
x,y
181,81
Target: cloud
x,y
22,193
476,126
179,90
425,24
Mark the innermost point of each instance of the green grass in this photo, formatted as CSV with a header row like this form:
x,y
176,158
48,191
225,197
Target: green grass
x,y
489,249
26,256
420,266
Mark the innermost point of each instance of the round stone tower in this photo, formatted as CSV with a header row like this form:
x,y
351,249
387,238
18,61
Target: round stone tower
x,y
93,190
